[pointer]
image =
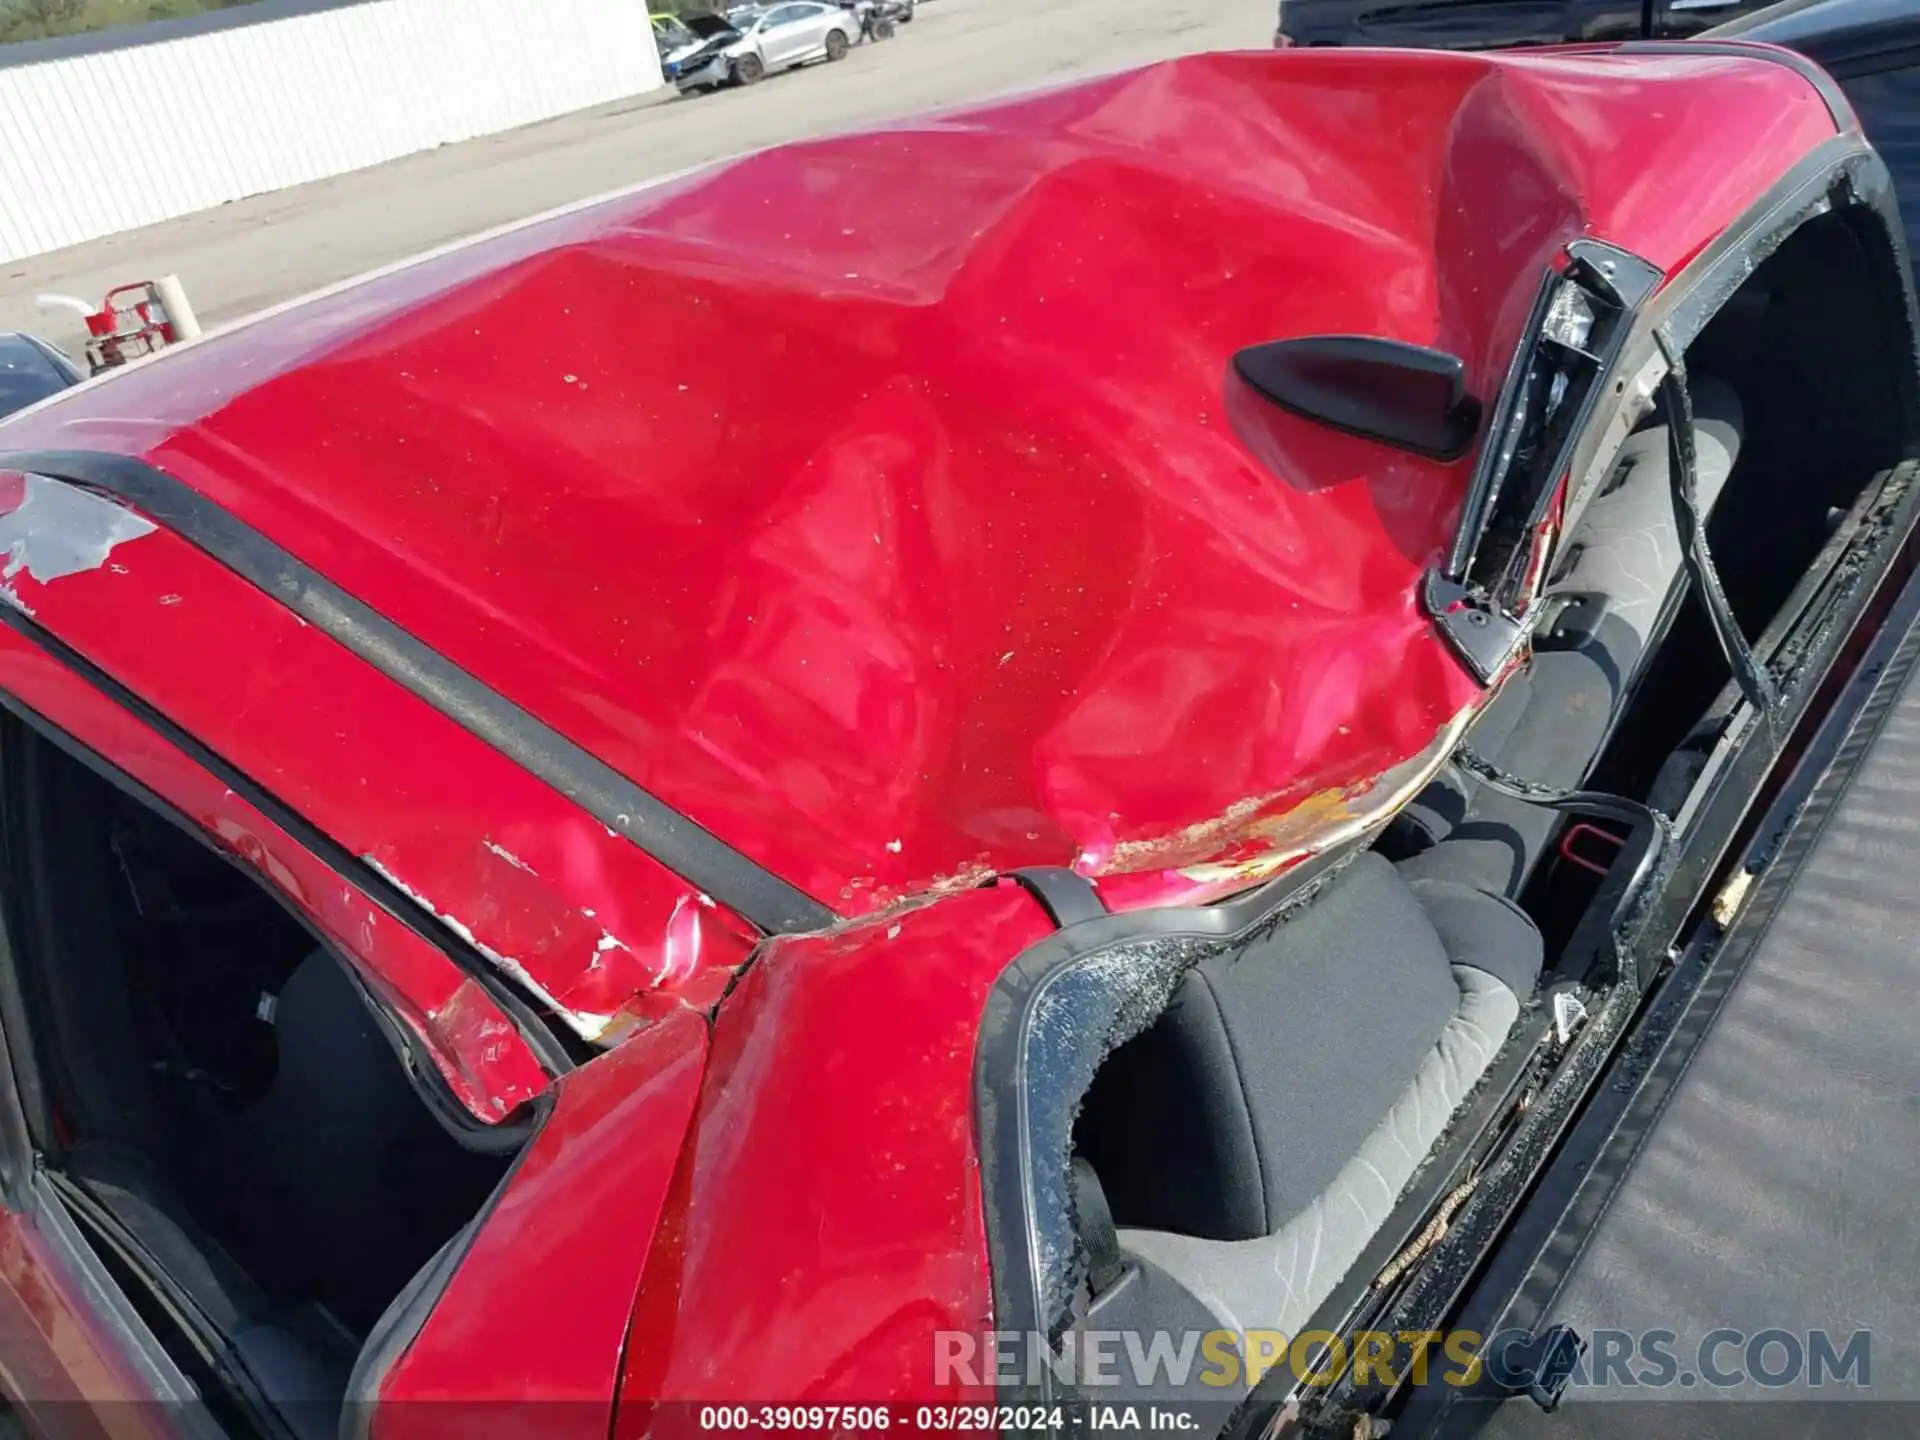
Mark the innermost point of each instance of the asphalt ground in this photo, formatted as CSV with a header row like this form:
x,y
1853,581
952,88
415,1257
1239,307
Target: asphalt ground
x,y
257,252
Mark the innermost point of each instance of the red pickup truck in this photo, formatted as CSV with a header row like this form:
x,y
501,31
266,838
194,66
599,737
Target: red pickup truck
x,y
794,798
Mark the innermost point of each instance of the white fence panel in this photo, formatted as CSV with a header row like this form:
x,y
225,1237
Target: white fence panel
x,y
92,144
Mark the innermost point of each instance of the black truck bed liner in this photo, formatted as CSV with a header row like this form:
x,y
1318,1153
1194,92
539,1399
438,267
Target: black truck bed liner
x,y
1767,1177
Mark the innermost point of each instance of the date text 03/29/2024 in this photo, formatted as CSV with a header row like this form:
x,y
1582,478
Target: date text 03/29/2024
x,y
840,1419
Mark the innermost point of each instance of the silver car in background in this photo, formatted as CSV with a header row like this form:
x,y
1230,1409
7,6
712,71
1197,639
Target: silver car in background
x,y
777,37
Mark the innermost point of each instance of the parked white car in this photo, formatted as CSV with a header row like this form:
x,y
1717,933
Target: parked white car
x,y
775,38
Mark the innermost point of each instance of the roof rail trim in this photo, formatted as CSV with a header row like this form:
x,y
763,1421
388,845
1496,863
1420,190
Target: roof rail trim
x,y
1838,105
625,808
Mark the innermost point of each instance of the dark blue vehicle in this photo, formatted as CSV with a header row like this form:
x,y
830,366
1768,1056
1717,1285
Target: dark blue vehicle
x,y
31,370
1872,47
1496,24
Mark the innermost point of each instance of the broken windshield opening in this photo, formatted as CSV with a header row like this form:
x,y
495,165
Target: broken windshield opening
x,y
1579,325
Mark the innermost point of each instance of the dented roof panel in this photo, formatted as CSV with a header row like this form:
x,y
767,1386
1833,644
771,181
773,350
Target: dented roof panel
x,y
885,503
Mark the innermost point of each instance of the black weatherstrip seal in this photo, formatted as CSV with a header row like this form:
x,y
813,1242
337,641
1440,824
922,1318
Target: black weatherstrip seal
x,y
524,1010
1523,1278
1067,897
677,842
1001,1093
435,1092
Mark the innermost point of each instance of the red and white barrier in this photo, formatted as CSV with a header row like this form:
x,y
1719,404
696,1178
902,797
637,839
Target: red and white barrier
x,y
134,320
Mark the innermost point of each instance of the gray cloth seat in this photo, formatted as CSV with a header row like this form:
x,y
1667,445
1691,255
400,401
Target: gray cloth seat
x,y
1251,1141
1614,589
304,1384
1255,1139
367,1184
153,1211
296,1164
320,1140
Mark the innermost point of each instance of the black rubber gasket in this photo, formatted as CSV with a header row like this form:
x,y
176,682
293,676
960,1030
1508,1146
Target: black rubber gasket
x,y
528,1013
677,842
1000,1063
1067,897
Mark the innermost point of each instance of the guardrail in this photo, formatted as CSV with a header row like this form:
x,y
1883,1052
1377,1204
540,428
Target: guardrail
x,y
110,131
